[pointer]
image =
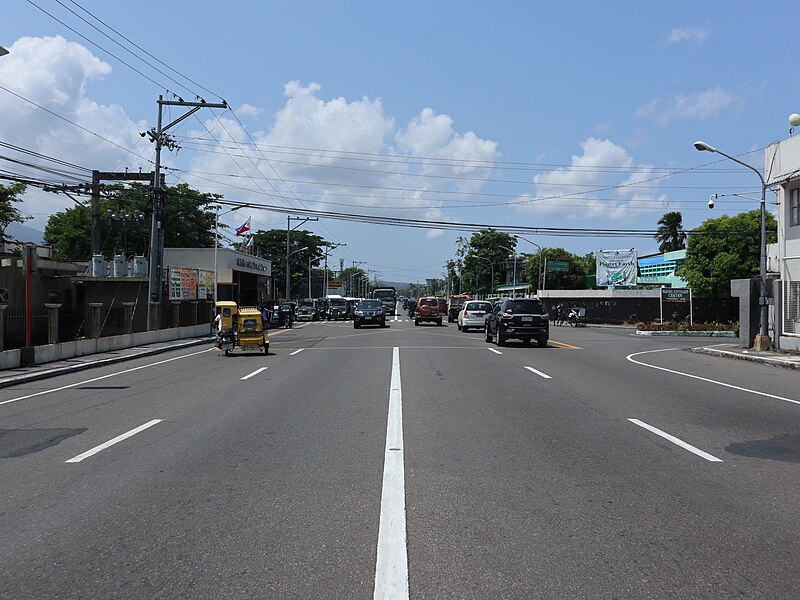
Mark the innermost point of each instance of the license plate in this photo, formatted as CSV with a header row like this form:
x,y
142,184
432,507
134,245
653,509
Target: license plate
x,y
368,318
478,314
524,319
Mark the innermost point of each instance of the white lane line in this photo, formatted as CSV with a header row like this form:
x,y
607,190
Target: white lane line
x,y
296,352
676,441
728,385
391,566
72,385
116,440
254,373
493,350
539,373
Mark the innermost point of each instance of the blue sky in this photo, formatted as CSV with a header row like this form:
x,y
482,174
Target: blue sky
x,y
567,115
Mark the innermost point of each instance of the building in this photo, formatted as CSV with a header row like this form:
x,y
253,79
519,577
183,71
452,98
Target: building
x,y
658,270
782,168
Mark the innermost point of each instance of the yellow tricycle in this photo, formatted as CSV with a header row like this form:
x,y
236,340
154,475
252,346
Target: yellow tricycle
x,y
240,327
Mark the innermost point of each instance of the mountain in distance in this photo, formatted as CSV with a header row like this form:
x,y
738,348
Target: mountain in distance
x,y
24,234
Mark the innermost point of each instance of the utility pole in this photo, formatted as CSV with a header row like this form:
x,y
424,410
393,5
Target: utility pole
x,y
355,262
160,138
328,248
288,286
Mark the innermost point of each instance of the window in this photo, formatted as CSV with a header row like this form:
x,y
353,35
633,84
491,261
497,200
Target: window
x,y
794,207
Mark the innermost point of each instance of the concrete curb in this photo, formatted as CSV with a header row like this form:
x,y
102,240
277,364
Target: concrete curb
x,y
726,334
47,373
765,360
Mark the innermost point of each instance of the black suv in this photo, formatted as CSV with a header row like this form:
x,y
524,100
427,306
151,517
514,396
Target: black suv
x,y
369,312
520,318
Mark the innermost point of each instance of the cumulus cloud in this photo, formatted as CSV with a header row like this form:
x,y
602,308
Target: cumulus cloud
x,y
687,34
53,73
248,110
591,188
349,152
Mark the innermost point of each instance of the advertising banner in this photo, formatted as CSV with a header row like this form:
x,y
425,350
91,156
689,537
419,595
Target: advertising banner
x,y
205,285
617,268
183,283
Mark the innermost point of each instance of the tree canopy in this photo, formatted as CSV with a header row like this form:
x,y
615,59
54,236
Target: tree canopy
x,y
271,244
9,194
574,279
481,257
670,234
722,249
189,222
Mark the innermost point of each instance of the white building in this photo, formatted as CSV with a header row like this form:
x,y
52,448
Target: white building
x,y
782,168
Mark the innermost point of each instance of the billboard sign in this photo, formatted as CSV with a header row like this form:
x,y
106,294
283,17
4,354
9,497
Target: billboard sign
x,y
617,268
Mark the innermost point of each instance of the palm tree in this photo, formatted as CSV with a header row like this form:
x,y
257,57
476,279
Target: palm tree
x,y
670,233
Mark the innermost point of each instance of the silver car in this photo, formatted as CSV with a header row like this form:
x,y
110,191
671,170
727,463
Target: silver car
x,y
473,314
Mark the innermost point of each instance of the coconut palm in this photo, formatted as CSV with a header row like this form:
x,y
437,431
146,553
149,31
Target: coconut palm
x,y
670,233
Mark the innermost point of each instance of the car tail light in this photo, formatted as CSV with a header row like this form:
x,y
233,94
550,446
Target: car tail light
x,y
505,316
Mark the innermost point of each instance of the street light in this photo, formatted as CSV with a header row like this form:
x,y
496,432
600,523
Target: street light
x,y
542,262
216,245
514,252
762,340
491,264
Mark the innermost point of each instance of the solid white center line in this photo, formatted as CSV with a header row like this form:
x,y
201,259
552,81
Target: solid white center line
x,y
254,373
493,350
391,566
109,443
676,441
296,352
85,381
539,373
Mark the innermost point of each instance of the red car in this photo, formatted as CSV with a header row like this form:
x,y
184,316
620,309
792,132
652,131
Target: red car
x,y
429,309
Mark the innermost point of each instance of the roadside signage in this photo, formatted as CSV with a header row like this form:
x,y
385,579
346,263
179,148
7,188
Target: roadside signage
x,y
557,265
676,294
334,283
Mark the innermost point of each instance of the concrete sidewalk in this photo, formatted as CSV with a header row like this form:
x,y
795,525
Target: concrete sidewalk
x,y
18,375
777,358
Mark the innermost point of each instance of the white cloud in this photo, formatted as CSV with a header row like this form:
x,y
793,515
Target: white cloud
x,y
590,187
249,110
702,105
53,73
696,105
690,34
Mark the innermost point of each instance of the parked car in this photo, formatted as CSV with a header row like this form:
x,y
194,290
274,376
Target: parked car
x,y
428,309
520,318
473,314
307,311
369,312
455,306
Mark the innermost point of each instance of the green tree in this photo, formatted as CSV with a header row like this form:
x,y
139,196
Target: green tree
x,y
189,222
722,249
670,234
483,256
8,213
574,279
271,244
351,275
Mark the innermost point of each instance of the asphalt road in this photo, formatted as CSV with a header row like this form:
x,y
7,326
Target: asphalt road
x,y
402,462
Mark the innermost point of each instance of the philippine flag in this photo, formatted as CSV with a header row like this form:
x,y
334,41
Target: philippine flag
x,y
245,227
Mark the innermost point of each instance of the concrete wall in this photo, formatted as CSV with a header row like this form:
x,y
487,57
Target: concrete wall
x,y
10,359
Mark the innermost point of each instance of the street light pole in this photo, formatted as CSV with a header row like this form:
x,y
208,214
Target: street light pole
x,y
514,252
288,230
542,261
762,340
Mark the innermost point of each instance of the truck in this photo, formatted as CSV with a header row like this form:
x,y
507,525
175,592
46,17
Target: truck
x,y
388,297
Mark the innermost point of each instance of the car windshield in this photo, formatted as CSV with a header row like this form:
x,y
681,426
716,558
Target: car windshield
x,y
484,306
369,305
338,303
383,294
525,307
